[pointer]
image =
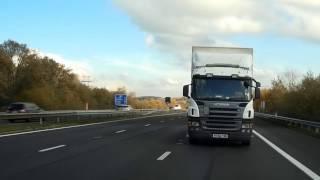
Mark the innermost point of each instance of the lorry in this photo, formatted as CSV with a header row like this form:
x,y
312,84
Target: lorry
x,y
221,94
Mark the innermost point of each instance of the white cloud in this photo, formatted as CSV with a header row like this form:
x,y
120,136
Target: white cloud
x,y
81,68
172,81
264,76
149,40
173,26
145,76
207,18
172,23
303,19
233,24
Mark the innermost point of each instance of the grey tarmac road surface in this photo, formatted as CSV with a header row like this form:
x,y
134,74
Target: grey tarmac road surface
x,y
153,148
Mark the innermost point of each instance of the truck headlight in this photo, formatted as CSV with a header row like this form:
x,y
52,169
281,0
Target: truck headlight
x,y
194,123
200,107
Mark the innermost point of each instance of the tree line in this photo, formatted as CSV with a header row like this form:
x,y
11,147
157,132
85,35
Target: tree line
x,y
292,96
26,76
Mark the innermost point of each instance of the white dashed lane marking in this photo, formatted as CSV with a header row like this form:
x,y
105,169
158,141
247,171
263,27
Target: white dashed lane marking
x,y
164,155
51,148
120,131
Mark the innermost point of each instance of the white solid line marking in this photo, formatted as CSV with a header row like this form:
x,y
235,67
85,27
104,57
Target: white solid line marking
x,y
164,155
120,131
83,125
295,162
147,125
52,148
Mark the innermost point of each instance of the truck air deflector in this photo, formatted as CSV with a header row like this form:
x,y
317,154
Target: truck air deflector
x,y
227,61
225,65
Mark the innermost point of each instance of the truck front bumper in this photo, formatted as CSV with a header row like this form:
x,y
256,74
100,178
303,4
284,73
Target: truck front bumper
x,y
241,135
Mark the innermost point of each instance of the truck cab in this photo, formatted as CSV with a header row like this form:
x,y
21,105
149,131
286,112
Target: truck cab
x,y
221,94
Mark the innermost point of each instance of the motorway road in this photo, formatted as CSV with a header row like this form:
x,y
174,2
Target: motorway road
x,y
153,148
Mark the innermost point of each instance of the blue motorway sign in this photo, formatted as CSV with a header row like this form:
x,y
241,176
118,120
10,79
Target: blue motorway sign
x,y
120,99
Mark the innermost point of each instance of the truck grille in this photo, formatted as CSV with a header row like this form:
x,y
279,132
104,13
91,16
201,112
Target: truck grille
x,y
226,119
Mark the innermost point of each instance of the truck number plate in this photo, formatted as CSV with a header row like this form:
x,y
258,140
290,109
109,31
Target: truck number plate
x,y
220,136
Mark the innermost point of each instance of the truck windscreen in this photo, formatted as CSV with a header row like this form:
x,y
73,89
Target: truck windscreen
x,y
220,89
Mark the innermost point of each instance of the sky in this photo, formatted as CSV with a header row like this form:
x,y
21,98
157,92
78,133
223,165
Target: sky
x,y
145,45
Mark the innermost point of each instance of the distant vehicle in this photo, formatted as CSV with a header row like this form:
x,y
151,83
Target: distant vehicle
x,y
176,107
23,107
124,108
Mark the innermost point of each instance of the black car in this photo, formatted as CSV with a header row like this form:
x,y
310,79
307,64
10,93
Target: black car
x,y
23,107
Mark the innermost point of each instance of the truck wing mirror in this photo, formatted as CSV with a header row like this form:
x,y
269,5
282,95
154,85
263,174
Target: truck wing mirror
x,y
246,84
186,91
167,100
258,84
257,93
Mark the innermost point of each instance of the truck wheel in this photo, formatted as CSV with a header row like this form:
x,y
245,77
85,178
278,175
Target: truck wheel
x,y
192,140
11,120
246,142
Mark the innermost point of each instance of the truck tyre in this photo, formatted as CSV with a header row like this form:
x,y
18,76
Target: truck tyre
x,y
246,142
11,120
193,140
